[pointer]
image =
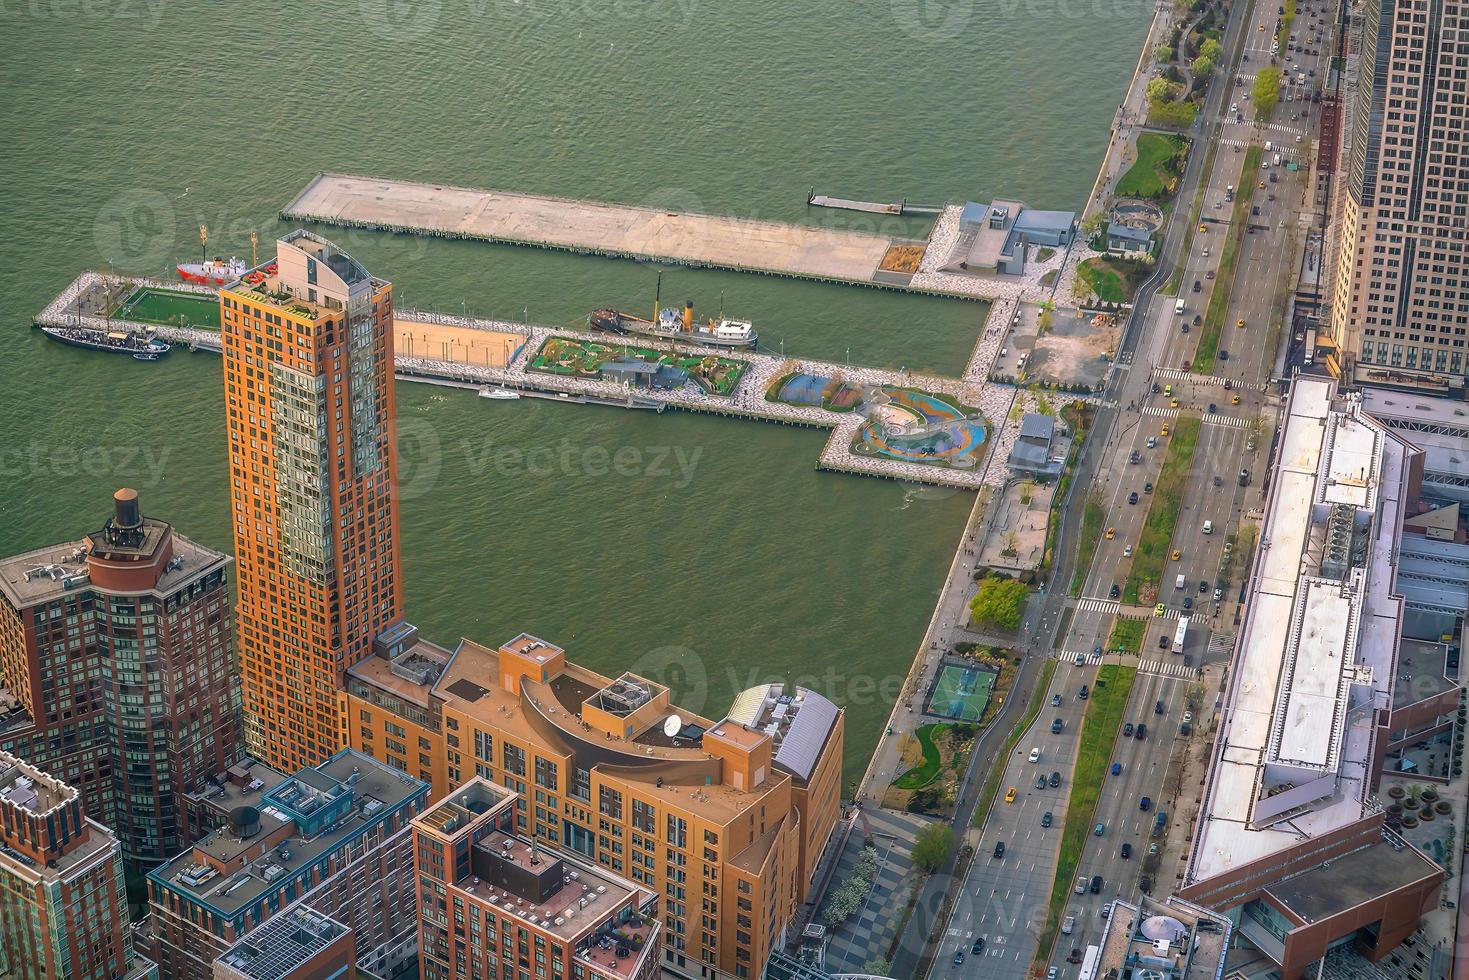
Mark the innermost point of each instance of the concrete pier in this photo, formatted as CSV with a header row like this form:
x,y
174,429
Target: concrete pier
x,y
614,230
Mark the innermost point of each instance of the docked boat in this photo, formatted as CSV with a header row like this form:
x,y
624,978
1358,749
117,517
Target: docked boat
x,y
499,394
138,345
671,323
212,272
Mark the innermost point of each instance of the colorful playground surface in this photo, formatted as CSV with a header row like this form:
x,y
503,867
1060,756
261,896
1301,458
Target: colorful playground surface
x,y
584,359
148,304
961,692
832,394
920,427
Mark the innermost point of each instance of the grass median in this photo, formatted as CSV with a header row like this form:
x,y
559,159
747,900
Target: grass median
x,y
1127,634
997,768
1151,552
1092,516
1195,211
1093,757
1223,289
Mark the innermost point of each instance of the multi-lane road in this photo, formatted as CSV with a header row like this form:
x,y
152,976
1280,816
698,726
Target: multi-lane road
x,y
1003,899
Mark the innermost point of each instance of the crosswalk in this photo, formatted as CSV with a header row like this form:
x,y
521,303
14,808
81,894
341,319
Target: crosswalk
x,y
1090,659
1227,420
1167,413
1167,668
1173,374
1220,644
1098,605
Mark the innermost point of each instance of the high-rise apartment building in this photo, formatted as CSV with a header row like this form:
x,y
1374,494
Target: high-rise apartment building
x,y
63,903
335,837
309,401
723,820
1399,289
116,672
495,903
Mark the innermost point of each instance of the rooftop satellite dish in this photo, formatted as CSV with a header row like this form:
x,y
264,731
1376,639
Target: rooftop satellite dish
x,y
672,725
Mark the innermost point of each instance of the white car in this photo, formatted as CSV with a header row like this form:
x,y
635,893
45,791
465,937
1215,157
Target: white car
x,y
1188,716
1035,755
1127,552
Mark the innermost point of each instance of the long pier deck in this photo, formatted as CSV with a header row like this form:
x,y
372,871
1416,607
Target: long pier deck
x,y
615,230
816,200
748,400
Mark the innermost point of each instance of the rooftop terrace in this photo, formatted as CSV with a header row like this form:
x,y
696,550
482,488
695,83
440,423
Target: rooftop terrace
x,y
59,570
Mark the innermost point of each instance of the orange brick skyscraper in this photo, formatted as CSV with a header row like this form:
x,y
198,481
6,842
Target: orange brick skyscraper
x,y
309,395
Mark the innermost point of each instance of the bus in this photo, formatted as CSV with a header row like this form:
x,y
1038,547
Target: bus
x,y
1089,963
1180,634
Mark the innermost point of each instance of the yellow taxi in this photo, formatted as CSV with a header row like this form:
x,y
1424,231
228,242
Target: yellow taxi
x,y
1172,403
1111,533
1202,229
1160,609
1262,185
1165,428
1167,389
1260,28
1234,399
1240,322
1010,795
1177,554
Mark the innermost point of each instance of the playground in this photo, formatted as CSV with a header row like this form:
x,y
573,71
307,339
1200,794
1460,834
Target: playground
x,y
584,359
164,307
961,692
832,394
920,427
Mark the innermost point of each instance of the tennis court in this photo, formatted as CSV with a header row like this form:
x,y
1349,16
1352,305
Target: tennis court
x,y
164,306
961,692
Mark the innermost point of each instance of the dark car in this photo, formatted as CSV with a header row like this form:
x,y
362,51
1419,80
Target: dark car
x,y
1096,885
1185,729
978,946
1255,209
1223,354
999,849
1203,586
1136,457
1132,497
1040,781
1145,804
1157,707
1056,726
1055,779
1163,642
1126,851
1075,956
1198,285
958,957
1116,768
1213,408
1188,602
1228,384
1082,694
1127,730
1046,819
1114,592
1141,731
1198,319
1148,487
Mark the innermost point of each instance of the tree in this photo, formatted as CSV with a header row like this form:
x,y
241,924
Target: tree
x,y
1092,223
1159,90
932,847
1266,92
1203,66
1212,50
1163,53
998,603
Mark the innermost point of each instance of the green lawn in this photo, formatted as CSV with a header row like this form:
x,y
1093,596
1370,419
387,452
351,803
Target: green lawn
x,y
1223,286
1094,756
1152,548
1154,174
927,770
1086,546
1127,634
997,768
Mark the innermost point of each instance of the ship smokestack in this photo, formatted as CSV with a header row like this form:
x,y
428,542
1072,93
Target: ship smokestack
x,y
128,512
688,316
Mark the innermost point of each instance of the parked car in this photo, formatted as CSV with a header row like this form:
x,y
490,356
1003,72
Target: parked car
x,y
1185,729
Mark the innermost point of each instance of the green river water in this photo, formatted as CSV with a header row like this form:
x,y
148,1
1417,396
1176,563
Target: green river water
x,y
703,551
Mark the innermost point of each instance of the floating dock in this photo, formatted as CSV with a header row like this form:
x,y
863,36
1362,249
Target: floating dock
x,y
899,209
795,251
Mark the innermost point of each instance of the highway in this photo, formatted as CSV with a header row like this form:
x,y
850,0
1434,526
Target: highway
x,y
1003,899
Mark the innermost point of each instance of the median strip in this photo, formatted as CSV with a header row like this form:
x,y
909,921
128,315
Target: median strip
x,y
1099,726
1152,547
1219,296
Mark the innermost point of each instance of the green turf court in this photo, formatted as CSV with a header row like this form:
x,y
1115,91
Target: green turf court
x,y
175,309
961,692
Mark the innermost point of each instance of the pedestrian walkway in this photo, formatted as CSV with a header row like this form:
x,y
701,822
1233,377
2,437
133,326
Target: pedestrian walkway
x,y
1090,659
1226,420
868,935
1220,645
1167,668
1098,605
1167,413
